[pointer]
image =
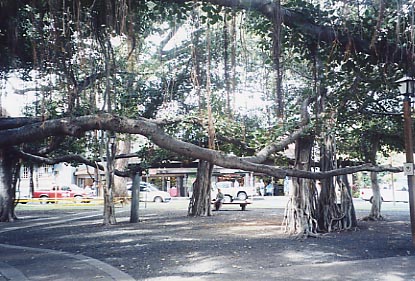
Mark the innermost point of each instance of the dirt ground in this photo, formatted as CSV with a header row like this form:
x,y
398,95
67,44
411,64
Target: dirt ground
x,y
167,242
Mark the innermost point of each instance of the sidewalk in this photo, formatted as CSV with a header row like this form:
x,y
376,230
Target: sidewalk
x,y
24,263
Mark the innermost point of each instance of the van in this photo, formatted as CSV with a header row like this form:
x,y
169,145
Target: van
x,y
233,192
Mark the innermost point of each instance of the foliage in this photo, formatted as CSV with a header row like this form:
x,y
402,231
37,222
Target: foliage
x,y
95,51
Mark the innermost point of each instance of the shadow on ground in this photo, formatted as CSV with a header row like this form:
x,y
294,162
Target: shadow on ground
x,y
168,243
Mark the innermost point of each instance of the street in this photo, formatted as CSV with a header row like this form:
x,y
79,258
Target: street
x,y
259,202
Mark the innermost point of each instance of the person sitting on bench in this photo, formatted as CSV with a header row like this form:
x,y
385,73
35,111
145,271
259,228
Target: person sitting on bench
x,y
219,200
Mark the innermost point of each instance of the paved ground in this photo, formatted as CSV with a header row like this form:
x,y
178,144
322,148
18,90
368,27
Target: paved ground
x,y
26,263
71,244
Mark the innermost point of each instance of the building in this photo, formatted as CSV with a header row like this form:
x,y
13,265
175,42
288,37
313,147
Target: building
x,y
44,177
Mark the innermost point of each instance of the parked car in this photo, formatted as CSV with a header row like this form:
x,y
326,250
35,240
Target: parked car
x,y
62,192
232,192
150,193
400,194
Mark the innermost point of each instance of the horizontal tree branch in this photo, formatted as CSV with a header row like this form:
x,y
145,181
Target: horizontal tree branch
x,y
79,125
16,122
262,155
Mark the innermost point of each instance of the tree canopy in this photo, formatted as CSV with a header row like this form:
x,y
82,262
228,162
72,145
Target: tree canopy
x,y
230,82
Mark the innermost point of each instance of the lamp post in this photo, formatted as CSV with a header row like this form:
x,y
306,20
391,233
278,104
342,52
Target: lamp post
x,y
407,88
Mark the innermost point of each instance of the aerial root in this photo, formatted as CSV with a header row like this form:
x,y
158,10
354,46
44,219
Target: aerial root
x,y
373,218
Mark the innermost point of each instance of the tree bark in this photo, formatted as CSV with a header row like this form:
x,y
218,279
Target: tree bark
x,y
153,130
109,208
301,212
31,180
6,192
330,216
199,204
15,181
123,147
349,219
375,211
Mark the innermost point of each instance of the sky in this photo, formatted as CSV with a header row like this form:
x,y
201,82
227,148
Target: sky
x,y
10,100
246,99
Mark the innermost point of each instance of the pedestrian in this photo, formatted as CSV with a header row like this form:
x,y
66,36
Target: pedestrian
x,y
269,189
219,200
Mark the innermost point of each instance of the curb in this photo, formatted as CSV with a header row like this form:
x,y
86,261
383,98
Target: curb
x,y
13,273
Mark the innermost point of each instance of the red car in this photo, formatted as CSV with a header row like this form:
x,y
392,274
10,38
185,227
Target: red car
x,y
62,192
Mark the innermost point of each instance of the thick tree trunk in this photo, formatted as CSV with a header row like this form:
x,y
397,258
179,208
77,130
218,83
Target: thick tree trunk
x,y
300,214
375,213
330,215
346,203
31,180
109,208
124,147
336,209
199,204
15,181
376,201
6,190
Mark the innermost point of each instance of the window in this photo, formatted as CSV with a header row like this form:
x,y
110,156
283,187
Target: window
x,y
26,172
45,170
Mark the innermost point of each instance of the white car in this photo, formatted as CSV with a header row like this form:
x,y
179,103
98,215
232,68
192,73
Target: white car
x,y
150,193
399,194
232,192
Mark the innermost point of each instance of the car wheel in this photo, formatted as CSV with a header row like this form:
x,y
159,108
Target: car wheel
x,y
43,199
78,199
158,199
227,199
242,196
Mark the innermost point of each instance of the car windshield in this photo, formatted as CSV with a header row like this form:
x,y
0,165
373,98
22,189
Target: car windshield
x,y
224,184
144,187
152,188
147,187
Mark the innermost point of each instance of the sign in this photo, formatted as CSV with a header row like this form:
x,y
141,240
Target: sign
x,y
408,169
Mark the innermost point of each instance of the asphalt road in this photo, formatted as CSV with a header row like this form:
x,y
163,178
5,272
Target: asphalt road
x,y
267,202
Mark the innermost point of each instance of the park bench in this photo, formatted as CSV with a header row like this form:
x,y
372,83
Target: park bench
x,y
242,204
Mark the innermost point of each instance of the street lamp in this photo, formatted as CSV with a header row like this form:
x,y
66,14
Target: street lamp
x,y
407,88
